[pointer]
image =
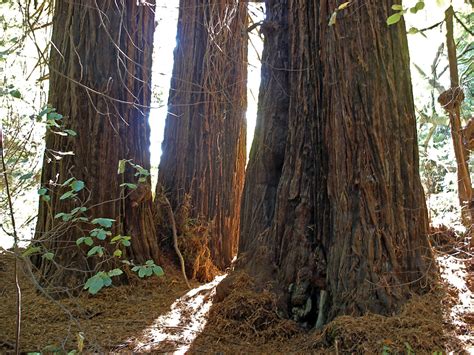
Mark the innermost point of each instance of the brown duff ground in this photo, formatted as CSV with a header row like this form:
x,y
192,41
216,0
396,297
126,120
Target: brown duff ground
x,y
243,322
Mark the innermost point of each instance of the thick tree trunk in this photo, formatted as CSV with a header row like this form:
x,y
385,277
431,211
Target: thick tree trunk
x,y
100,76
349,231
204,143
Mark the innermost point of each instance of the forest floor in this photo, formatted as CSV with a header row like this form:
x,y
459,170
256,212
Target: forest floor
x,y
161,315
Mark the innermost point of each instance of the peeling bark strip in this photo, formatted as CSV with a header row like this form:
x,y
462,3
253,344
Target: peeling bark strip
x,y
204,141
100,72
349,229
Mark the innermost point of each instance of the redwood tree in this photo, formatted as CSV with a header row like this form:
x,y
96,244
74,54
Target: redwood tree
x,y
100,76
203,156
346,230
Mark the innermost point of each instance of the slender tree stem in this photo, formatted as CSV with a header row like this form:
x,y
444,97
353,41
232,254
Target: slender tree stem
x,y
15,247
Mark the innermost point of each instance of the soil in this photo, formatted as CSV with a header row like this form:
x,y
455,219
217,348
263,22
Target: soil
x,y
161,315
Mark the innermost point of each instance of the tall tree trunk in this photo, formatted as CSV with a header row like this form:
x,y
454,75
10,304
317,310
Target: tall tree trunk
x,y
100,76
349,231
451,101
204,143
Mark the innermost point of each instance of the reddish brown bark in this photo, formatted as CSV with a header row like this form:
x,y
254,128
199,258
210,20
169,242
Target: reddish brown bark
x,y
100,75
349,231
204,142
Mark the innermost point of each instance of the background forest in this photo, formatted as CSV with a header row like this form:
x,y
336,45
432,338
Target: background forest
x,y
131,174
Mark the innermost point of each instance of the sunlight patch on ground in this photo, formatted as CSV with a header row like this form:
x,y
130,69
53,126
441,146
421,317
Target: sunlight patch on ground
x,y
453,271
176,330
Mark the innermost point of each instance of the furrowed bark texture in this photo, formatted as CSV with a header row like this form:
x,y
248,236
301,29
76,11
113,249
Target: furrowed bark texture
x,y
349,231
204,141
268,148
100,77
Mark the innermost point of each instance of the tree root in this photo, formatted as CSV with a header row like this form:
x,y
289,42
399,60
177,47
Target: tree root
x,y
170,213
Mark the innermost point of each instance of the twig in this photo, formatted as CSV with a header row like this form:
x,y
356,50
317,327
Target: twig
x,y
169,210
15,247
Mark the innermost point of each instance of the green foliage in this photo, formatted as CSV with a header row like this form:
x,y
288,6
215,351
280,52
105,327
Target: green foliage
x,y
148,269
102,279
397,16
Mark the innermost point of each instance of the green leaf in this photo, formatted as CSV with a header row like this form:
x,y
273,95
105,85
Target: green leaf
x,y
70,132
420,5
332,20
82,219
54,115
121,166
88,241
107,281
31,250
394,18
397,7
104,222
344,5
115,272
130,186
94,284
67,195
158,271
100,233
413,30
26,176
48,256
77,185
126,243
16,94
68,181
80,240
42,191
148,271
118,253
142,272
149,262
96,250
46,198
78,209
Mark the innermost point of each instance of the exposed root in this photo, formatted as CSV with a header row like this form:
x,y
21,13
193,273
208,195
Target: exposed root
x,y
170,213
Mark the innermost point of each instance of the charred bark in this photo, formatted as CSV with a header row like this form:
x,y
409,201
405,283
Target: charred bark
x,y
100,81
204,142
349,231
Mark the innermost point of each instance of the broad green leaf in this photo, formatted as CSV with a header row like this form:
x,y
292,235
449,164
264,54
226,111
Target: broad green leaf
x,y
78,209
88,241
142,272
48,256
16,94
96,250
118,253
121,166
107,280
332,20
70,132
26,176
104,222
42,191
31,250
149,262
126,243
94,284
344,5
158,271
397,7
67,195
68,181
80,240
413,30
394,18
115,272
77,185
148,271
420,5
